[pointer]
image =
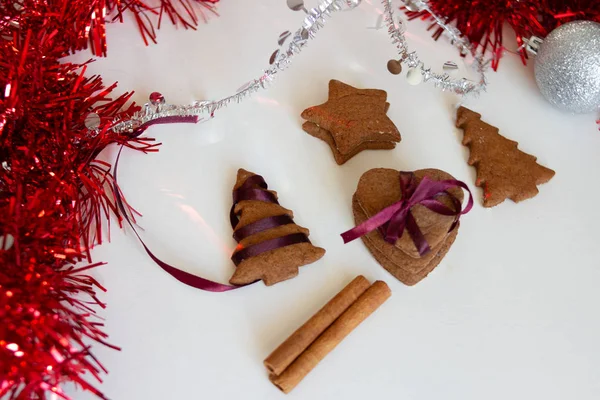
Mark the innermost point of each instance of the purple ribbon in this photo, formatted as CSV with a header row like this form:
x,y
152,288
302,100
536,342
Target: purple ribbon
x,y
268,245
248,191
182,276
394,219
255,188
261,225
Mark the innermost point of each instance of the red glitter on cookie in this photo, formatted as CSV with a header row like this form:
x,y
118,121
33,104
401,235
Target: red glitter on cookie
x,y
486,192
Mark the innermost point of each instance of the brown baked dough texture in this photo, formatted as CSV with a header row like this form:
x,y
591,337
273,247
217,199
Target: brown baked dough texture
x,y
320,133
379,188
352,120
275,265
503,171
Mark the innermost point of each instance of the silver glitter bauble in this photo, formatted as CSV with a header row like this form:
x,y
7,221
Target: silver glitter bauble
x,y
567,67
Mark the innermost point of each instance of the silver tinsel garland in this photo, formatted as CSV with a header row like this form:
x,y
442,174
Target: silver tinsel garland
x,y
315,19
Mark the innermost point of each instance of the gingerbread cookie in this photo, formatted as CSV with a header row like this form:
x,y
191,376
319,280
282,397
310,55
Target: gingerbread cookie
x,y
352,120
428,227
503,171
271,246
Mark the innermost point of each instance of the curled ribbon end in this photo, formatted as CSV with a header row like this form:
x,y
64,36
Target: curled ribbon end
x,y
347,236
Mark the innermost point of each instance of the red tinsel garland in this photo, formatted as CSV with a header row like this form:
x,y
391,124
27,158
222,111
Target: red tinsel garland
x,y
482,21
54,195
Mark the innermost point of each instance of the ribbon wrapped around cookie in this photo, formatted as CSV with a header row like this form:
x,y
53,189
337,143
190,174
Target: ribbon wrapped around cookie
x,y
261,227
255,188
393,220
271,247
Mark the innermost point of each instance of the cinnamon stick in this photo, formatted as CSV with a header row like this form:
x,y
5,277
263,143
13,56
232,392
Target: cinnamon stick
x,y
364,306
299,341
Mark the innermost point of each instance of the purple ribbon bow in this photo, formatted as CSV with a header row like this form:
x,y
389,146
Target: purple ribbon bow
x,y
394,219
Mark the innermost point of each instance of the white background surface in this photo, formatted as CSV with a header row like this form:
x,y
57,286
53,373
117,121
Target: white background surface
x,y
510,313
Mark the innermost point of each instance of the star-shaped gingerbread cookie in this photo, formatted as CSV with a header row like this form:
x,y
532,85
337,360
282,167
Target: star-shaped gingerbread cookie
x,y
352,120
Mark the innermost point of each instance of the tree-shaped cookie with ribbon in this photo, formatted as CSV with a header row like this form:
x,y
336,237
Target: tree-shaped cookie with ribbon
x,y
407,220
271,247
503,171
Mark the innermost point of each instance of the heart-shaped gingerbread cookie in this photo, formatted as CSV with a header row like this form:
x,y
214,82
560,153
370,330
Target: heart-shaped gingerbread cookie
x,y
379,188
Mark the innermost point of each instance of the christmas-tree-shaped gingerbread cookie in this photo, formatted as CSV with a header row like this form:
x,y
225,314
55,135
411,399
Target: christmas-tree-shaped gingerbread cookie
x,y
271,247
503,171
